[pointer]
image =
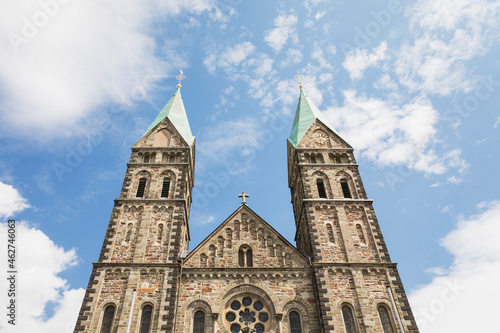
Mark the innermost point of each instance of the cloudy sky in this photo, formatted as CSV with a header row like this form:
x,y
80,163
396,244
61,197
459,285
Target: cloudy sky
x,y
413,86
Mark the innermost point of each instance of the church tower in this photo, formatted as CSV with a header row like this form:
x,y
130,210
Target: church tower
x,y
357,286
137,275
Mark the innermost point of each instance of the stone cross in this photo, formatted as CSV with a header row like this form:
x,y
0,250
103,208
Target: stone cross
x,y
243,196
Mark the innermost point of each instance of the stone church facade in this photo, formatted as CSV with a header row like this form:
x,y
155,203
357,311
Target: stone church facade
x,y
245,276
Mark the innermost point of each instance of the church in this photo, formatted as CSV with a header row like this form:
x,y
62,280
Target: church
x,y
245,276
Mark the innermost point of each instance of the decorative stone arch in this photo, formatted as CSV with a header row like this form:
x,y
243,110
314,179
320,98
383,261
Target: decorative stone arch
x,y
162,138
167,174
193,304
342,175
321,139
301,306
260,290
326,181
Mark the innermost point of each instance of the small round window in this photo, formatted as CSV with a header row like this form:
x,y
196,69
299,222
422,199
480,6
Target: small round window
x,y
247,311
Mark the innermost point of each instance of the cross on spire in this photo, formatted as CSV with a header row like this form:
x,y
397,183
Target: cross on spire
x,y
243,196
180,77
299,78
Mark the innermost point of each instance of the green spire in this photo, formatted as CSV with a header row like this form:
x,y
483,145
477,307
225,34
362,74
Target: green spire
x,y
176,113
305,116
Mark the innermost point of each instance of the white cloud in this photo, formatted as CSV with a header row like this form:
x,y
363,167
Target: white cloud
x,y
293,57
459,291
358,60
81,56
447,34
229,59
11,201
38,284
285,28
390,134
38,263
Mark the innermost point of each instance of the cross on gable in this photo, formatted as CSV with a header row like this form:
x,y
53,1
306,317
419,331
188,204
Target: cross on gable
x,y
243,195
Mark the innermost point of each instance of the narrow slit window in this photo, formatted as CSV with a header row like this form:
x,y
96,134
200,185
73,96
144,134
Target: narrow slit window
x,y
350,326
385,319
199,322
321,188
160,233
147,311
295,325
165,188
345,189
330,233
360,234
141,188
107,319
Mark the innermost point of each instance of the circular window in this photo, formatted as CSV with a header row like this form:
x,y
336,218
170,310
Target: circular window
x,y
235,328
230,316
236,305
247,311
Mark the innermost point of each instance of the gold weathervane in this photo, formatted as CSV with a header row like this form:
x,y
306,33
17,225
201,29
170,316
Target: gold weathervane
x,y
299,78
180,77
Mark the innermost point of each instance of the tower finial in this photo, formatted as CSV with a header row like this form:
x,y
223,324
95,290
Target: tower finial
x,y
180,77
299,78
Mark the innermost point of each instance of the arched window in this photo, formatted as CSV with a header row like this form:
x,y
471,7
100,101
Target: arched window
x,y
199,322
141,188
295,326
146,159
321,188
320,159
245,256
171,159
164,158
313,158
345,189
350,326
165,188
385,319
107,319
147,312
360,234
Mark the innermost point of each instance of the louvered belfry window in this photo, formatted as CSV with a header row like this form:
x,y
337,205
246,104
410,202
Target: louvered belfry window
x,y
107,319
321,188
199,322
345,189
165,188
349,324
295,326
141,188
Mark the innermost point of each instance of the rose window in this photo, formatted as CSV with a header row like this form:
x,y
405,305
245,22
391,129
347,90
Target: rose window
x,y
246,314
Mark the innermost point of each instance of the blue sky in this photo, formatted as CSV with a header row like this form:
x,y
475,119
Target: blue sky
x,y
413,86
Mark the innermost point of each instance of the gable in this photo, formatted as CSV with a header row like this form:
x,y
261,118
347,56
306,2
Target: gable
x,y
164,134
321,136
245,229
